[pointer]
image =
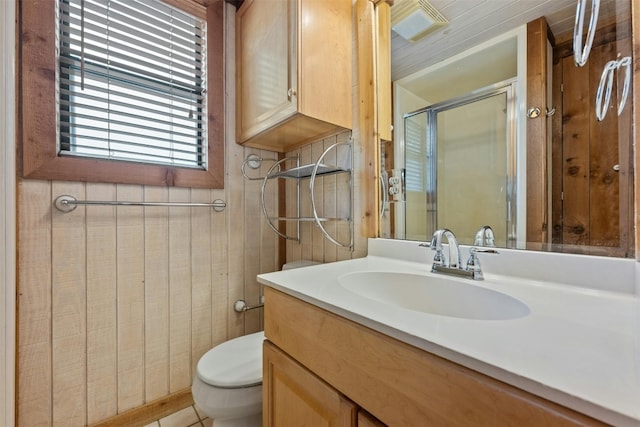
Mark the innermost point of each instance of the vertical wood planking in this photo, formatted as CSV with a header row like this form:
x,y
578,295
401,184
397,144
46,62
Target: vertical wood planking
x,y
130,299
604,188
156,291
252,222
102,363
344,197
578,106
234,186
306,243
317,238
201,274
179,292
294,249
219,273
68,311
634,180
556,156
329,201
268,239
34,404
235,219
625,146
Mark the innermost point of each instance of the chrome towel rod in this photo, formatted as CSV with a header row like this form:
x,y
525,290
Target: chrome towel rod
x,y
66,203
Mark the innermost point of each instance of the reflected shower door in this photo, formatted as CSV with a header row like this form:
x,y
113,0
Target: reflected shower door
x,y
460,167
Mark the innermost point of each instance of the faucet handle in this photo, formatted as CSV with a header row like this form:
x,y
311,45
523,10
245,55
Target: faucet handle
x,y
438,258
482,250
473,263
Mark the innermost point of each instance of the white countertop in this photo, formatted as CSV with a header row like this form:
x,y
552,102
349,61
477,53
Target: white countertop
x,y
579,347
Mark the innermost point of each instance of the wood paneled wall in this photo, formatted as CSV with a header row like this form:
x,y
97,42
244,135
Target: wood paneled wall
x,y
117,304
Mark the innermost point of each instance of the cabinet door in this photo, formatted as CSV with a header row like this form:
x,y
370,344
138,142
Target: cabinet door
x,y
293,396
265,64
365,419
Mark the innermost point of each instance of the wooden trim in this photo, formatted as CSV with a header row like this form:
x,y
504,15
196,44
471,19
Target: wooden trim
x,y
537,177
635,32
151,411
7,216
190,6
383,71
397,383
367,116
38,158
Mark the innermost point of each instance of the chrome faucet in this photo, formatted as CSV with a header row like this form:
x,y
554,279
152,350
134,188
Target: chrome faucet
x,y
454,251
484,243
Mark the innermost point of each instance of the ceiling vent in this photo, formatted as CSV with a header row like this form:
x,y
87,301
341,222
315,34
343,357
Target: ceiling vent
x,y
414,19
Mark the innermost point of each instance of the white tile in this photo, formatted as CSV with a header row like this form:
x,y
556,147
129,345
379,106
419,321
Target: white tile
x,y
207,422
153,424
183,418
201,414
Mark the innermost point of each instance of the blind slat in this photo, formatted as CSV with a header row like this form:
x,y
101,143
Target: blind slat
x,y
107,31
114,142
187,121
135,66
123,80
152,25
111,122
155,101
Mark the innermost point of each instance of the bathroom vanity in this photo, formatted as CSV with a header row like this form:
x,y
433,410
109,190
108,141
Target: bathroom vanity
x,y
343,358
317,365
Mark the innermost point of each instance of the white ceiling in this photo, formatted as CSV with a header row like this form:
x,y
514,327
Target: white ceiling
x,y
474,21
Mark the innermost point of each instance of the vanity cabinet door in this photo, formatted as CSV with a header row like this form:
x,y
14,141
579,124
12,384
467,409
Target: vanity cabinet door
x,y
365,419
293,396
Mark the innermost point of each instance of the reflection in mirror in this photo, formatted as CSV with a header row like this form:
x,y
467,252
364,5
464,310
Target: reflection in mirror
x,y
536,164
459,175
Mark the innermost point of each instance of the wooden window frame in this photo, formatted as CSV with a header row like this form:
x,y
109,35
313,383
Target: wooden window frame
x,y
37,110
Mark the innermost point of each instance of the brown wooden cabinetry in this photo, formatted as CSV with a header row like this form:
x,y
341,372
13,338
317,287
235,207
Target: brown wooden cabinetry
x,y
296,397
293,70
396,383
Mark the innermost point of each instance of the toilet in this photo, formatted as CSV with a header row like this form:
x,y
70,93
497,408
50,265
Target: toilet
x,y
227,386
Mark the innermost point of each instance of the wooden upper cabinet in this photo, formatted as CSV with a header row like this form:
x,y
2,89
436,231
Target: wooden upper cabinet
x,y
293,66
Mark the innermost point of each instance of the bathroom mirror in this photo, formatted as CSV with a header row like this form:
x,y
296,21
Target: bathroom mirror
x,y
476,143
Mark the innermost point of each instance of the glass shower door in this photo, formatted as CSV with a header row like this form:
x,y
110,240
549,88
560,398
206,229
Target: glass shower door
x,y
460,167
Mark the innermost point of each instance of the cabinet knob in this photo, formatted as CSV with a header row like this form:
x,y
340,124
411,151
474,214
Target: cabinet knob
x,y
291,92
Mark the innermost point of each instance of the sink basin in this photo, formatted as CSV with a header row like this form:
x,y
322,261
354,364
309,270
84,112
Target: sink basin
x,y
434,295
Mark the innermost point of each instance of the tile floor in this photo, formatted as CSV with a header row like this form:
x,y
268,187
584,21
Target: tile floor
x,y
187,417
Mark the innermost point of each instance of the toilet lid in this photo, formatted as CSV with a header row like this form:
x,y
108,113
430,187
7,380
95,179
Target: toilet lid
x,y
233,364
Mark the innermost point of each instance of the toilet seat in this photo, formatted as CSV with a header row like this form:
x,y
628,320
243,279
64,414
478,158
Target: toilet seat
x,y
235,363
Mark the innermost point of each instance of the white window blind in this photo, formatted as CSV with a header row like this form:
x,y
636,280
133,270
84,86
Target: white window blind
x,y
132,82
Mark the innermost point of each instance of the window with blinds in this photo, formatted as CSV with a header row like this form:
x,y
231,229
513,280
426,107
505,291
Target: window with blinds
x,y
132,82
